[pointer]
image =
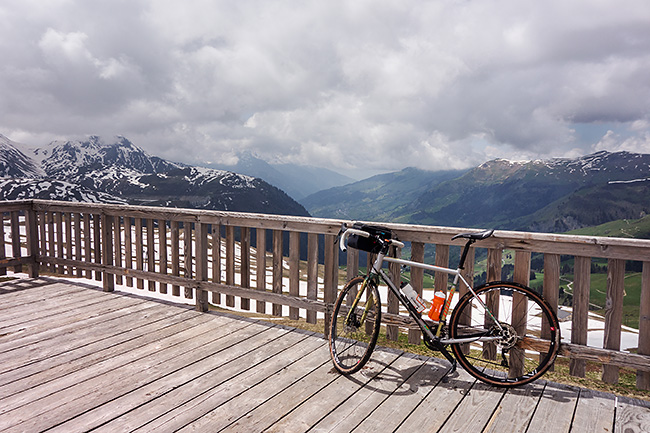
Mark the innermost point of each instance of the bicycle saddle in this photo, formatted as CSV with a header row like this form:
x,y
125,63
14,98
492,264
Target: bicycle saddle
x,y
475,236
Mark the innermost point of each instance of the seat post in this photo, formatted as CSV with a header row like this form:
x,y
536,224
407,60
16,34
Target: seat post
x,y
461,263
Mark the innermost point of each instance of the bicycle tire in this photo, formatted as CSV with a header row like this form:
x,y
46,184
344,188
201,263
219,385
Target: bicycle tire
x,y
524,352
353,336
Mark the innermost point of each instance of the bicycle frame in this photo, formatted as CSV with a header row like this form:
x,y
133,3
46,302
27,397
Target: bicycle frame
x,y
377,270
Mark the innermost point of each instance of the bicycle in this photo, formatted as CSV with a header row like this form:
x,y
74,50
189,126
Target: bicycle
x,y
502,333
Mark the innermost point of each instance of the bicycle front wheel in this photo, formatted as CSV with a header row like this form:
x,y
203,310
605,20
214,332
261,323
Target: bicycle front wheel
x,y
522,348
355,325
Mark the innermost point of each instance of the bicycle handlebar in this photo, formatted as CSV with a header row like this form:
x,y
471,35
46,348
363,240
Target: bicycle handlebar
x,y
348,232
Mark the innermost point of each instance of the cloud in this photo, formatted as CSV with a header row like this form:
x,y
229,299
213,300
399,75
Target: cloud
x,y
347,85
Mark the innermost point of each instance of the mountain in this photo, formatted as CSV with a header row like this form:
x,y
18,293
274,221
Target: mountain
x,y
298,181
119,171
378,198
554,195
14,163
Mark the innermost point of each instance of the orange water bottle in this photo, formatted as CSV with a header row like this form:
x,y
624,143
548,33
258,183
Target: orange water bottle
x,y
436,306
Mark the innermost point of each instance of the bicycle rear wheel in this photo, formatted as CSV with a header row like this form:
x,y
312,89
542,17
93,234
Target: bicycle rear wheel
x,y
354,331
526,347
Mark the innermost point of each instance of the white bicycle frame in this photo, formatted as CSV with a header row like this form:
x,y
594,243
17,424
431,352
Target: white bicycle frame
x,y
377,268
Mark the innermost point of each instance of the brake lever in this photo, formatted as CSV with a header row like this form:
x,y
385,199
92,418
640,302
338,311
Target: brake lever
x,y
344,227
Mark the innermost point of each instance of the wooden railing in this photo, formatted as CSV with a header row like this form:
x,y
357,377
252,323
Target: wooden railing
x,y
214,257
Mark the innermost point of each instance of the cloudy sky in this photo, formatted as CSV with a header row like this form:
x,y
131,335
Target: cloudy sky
x,y
354,86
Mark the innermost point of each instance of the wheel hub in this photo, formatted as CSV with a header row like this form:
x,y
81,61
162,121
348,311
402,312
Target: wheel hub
x,y
508,336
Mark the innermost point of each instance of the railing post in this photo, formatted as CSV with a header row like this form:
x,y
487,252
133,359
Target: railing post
x,y
579,319
494,259
3,254
312,273
245,265
31,227
277,269
260,271
392,331
201,265
643,377
550,290
519,309
107,251
294,271
613,314
417,281
230,262
15,239
330,286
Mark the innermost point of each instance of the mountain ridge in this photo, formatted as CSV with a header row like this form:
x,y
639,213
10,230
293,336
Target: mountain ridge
x,y
554,195
120,171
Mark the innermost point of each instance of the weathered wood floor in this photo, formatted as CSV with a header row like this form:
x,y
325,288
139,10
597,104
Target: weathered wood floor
x,y
73,358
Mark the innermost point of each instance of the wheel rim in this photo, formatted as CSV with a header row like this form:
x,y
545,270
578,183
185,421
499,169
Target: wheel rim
x,y
354,333
528,338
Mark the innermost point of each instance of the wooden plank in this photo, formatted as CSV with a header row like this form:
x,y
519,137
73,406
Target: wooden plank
x,y
579,318
68,241
151,253
211,410
201,295
365,402
550,291
613,314
436,397
207,384
260,270
417,281
97,243
117,246
230,262
15,238
72,397
97,349
277,269
128,248
555,410
314,401
175,247
182,382
394,269
139,253
519,311
107,251
472,414
594,412
330,291
188,268
261,383
642,377
3,253
216,260
632,416
245,265
515,410
312,273
441,279
412,391
162,252
494,260
294,271
78,240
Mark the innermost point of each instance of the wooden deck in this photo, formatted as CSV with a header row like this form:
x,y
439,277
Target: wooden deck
x,y
74,358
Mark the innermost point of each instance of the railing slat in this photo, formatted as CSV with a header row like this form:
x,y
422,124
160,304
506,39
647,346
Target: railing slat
x,y
613,314
188,270
245,265
417,281
294,271
277,269
643,377
230,263
260,270
162,252
175,247
579,319
312,273
3,252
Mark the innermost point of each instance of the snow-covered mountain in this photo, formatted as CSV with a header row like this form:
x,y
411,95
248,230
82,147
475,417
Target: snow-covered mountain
x,y
119,171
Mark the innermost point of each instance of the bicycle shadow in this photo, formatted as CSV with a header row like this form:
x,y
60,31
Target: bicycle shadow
x,y
422,374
